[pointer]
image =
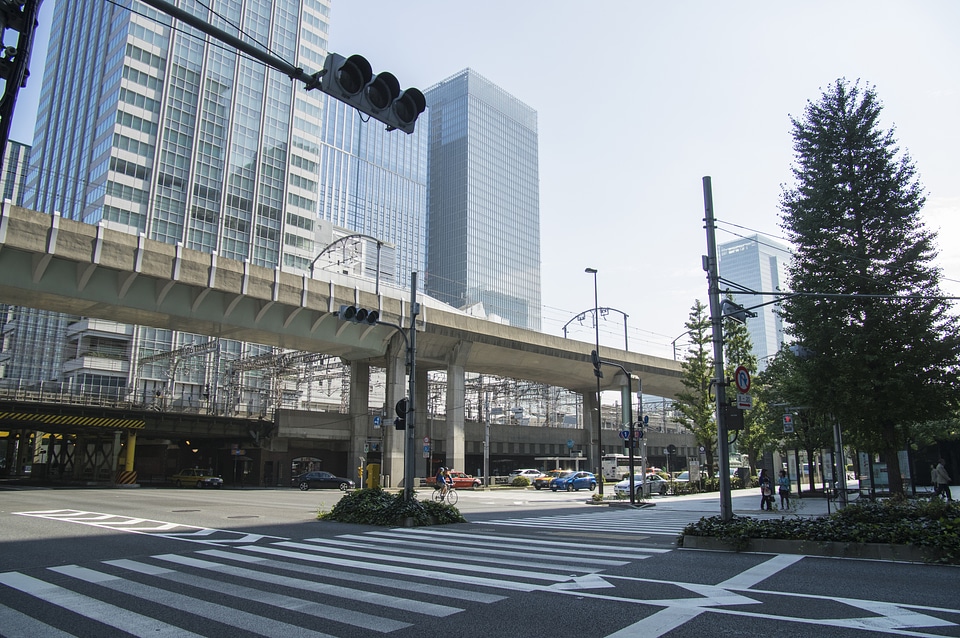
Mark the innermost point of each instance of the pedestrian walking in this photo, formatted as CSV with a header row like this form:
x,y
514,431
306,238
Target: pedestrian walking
x,y
766,491
784,488
943,481
933,480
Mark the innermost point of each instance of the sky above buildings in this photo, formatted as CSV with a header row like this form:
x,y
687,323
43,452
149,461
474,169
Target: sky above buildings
x,y
637,101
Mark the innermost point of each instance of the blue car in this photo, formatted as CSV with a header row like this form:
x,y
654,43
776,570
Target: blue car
x,y
572,481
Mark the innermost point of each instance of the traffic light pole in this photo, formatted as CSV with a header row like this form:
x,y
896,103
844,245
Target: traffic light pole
x,y
409,441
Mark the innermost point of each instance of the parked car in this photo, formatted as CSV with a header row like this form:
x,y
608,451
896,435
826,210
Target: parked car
x,y
652,484
197,477
572,481
321,480
460,480
682,477
528,473
543,480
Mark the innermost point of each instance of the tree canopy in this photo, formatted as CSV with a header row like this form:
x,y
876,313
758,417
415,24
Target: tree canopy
x,y
885,345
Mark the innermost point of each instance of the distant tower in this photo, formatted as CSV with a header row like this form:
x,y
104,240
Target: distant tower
x,y
13,179
760,264
483,196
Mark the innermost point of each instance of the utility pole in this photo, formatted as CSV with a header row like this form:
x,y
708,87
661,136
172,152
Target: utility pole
x,y
710,265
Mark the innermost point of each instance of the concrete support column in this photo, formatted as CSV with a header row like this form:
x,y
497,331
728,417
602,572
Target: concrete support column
x,y
131,450
115,455
359,416
393,439
423,423
590,441
456,408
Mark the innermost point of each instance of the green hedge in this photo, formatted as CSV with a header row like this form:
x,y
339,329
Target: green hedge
x,y
376,507
927,523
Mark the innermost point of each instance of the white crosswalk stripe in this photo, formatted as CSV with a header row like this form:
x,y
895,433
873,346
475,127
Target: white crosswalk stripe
x,y
376,582
641,522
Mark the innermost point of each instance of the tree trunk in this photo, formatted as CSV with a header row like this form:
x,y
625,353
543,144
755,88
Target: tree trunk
x,y
891,456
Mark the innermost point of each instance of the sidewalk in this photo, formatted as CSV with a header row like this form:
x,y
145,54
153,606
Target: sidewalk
x,y
745,503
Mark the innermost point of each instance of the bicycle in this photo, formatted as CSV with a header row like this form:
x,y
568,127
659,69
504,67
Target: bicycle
x,y
450,495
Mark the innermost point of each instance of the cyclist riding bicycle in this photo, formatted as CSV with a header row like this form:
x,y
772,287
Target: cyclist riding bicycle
x,y
444,480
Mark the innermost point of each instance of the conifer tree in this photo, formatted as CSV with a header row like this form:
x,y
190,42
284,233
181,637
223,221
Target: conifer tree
x,y
885,346
694,408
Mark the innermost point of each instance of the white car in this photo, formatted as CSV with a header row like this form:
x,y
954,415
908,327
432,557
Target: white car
x,y
528,473
653,484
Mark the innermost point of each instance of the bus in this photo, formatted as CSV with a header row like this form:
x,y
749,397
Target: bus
x,y
616,467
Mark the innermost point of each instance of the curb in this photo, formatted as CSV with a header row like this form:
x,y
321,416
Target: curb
x,y
829,549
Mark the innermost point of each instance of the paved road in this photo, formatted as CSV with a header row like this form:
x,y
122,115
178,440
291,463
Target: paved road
x,y
256,563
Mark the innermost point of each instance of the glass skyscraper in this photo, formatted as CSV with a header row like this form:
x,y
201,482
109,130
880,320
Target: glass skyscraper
x,y
483,233
374,182
758,264
154,129
13,179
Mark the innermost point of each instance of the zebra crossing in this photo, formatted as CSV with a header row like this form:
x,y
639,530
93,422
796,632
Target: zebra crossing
x,y
372,582
152,527
645,522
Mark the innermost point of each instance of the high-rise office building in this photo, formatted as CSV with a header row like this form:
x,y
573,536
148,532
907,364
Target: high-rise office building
x,y
13,178
167,132
483,229
758,264
374,182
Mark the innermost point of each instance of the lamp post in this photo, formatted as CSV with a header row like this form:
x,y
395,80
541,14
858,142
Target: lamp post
x,y
596,325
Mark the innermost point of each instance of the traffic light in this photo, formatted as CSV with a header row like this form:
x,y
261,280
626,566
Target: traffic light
x,y
358,315
787,423
351,80
732,310
401,408
595,358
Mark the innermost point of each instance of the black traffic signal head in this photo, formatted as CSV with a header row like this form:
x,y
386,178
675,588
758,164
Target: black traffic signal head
x,y
595,358
351,80
732,310
358,315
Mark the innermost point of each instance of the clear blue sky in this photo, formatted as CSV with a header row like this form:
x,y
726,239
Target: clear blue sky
x,y
637,101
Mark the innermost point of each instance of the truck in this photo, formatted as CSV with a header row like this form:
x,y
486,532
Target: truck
x,y
460,480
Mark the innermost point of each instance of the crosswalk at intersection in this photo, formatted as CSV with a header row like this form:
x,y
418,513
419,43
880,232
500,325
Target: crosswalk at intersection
x,y
366,583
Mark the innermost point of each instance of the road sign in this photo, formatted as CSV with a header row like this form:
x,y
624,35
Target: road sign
x,y
570,443
624,434
744,401
741,377
638,434
426,439
376,421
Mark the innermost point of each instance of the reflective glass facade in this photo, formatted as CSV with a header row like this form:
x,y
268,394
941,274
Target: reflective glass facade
x,y
159,130
483,228
759,264
374,182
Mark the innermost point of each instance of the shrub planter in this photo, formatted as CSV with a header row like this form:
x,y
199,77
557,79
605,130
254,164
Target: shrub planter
x,y
870,551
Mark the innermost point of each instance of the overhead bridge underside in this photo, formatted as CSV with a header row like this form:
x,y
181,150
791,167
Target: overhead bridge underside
x,y
52,263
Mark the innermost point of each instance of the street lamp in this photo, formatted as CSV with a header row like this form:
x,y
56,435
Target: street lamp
x,y
596,324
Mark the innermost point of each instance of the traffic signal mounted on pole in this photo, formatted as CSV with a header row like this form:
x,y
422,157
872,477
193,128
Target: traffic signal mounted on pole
x,y
595,359
787,423
351,80
401,408
358,315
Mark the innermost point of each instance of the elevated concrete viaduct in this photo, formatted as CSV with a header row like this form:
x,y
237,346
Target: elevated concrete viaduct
x,y
53,263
